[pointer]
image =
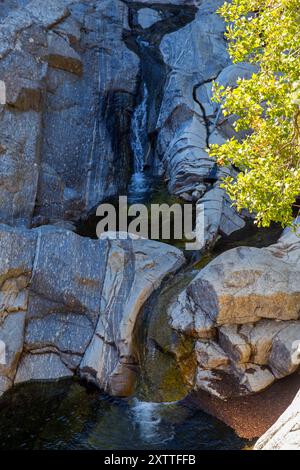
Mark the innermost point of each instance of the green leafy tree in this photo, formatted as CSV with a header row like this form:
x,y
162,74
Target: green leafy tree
x,y
265,33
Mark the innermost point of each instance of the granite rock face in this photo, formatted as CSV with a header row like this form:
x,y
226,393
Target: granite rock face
x,y
70,89
70,304
243,311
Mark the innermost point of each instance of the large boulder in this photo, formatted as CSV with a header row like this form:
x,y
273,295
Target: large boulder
x,y
70,304
147,17
243,310
248,284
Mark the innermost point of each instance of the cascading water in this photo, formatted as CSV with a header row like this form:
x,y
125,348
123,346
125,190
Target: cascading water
x,y
157,423
138,128
139,186
147,417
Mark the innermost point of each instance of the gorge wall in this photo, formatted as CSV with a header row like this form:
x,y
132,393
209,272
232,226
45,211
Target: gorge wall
x,y
75,72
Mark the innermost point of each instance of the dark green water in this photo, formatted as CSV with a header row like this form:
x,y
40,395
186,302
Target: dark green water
x,y
66,415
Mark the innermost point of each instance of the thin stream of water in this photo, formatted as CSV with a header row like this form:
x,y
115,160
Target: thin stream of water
x,y
140,183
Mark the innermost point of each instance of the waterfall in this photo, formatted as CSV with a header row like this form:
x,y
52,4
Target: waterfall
x,y
147,418
139,186
138,132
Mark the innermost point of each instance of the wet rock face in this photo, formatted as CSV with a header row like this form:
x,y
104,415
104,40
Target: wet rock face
x,y
70,86
243,311
70,305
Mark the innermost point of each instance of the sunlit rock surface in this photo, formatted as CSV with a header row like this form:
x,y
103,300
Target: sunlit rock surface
x,y
70,304
243,311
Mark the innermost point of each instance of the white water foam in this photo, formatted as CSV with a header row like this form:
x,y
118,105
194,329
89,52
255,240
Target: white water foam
x,y
149,420
138,130
139,184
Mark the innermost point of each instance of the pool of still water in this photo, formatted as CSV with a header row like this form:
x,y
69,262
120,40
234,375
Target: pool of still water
x,y
66,415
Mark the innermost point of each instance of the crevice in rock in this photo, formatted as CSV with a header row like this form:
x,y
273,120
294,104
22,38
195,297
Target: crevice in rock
x,y
207,122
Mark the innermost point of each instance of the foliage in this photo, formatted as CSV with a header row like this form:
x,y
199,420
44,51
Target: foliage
x,y
265,33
